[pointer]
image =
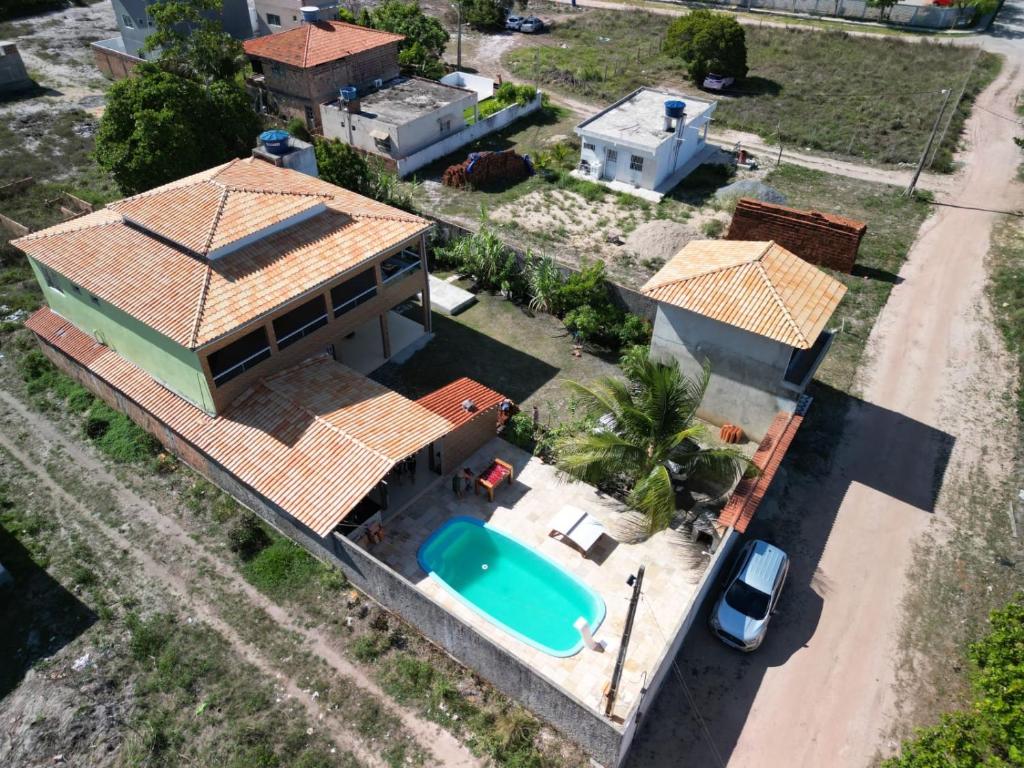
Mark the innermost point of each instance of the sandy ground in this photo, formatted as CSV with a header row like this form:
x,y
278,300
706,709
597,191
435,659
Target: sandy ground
x,y
821,690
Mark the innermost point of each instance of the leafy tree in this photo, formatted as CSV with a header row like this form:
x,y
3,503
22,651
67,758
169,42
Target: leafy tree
x,y
191,41
977,7
708,42
425,37
340,164
645,422
991,732
160,126
486,14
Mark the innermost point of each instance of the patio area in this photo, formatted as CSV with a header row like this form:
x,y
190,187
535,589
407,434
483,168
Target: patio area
x,y
363,351
524,510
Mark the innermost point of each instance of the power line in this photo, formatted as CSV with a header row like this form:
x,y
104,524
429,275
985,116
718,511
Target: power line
x,y
689,694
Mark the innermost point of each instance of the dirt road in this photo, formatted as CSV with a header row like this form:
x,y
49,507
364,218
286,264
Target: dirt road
x,y
820,692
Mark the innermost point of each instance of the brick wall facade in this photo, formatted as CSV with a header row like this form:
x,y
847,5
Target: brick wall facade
x,y
463,442
819,238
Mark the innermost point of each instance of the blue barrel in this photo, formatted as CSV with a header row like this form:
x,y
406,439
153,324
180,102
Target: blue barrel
x,y
349,93
675,108
310,14
276,141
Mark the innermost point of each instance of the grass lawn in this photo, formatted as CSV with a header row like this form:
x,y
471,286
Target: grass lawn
x,y
874,99
524,356
893,221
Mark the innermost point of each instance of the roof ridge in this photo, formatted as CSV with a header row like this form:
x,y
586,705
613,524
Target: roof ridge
x,y
715,271
316,417
176,184
305,47
216,219
759,263
409,218
263,191
193,339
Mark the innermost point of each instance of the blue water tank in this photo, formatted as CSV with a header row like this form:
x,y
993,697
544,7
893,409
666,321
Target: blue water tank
x,y
675,108
275,141
310,14
349,93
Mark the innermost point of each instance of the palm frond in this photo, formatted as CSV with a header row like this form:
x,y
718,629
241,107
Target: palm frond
x,y
654,497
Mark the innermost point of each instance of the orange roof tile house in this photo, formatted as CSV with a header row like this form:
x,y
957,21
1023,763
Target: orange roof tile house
x,y
301,68
754,311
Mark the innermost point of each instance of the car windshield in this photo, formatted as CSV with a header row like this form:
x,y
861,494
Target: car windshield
x,y
747,600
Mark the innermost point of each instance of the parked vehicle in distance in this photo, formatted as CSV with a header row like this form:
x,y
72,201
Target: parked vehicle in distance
x,y
531,24
715,82
741,615
514,23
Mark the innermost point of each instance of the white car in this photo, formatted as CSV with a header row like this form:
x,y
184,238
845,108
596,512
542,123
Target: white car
x,y
531,24
715,82
514,23
741,615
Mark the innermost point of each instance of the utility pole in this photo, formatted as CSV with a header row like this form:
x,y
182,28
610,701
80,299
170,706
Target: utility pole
x,y
928,146
458,44
613,687
778,130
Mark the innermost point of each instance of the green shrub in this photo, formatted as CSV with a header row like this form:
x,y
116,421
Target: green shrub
x,y
584,323
708,42
369,648
588,286
634,331
147,637
297,128
246,537
519,431
482,256
38,373
713,228
118,436
282,569
511,93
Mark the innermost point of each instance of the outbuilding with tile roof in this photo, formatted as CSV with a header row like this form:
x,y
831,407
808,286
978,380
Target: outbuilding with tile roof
x,y
298,69
756,313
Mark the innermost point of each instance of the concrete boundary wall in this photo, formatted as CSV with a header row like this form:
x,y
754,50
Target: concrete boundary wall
x,y
707,582
497,121
602,738
901,14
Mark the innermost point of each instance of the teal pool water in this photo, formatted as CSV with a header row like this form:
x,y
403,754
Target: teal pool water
x,y
512,586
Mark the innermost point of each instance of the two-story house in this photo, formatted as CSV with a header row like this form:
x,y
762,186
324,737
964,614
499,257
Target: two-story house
x,y
234,313
299,69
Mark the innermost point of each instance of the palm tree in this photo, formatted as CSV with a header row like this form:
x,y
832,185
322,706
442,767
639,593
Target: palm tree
x,y
643,423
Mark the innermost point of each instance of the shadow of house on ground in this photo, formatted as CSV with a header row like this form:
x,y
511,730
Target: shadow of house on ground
x,y
38,615
843,441
493,363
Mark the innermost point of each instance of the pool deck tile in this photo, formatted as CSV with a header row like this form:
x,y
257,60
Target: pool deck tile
x,y
524,511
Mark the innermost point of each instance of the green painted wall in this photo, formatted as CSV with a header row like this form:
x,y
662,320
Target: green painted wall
x,y
171,364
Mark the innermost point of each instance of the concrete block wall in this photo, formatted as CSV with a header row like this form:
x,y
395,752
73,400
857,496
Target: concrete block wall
x,y
602,738
819,238
13,76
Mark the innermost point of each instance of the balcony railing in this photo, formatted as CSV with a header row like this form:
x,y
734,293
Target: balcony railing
x,y
400,265
298,333
355,301
238,368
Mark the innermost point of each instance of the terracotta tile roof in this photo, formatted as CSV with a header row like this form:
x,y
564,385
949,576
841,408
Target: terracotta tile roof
x,y
447,401
314,439
742,505
758,286
155,257
319,43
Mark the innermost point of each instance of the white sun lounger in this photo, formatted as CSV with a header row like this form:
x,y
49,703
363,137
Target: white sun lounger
x,y
576,528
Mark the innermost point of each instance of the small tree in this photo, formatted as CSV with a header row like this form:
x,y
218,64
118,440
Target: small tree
x,y
191,42
342,165
708,42
425,37
486,14
884,8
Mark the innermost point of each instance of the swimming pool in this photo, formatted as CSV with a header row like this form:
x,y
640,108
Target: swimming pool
x,y
510,585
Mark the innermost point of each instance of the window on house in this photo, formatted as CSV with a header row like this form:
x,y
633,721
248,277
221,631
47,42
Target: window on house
x,y
127,21
51,280
352,293
276,69
399,265
612,155
94,300
446,125
142,23
257,67
75,288
636,163
273,20
588,145
310,117
238,356
300,322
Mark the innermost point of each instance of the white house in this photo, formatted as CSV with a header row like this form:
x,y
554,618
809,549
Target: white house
x,y
645,143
